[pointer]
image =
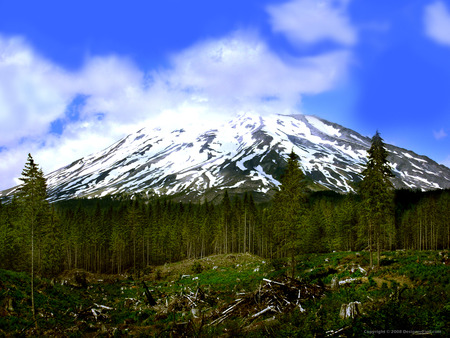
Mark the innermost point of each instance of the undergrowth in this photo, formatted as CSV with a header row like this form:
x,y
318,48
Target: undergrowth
x,y
409,292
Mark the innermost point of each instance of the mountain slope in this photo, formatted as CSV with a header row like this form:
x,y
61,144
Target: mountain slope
x,y
246,154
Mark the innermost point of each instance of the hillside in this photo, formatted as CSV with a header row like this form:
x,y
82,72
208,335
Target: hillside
x,y
246,154
240,294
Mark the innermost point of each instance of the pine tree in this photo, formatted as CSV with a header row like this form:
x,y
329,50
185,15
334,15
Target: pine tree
x,y
288,206
5,240
52,244
32,196
344,235
377,194
252,222
133,223
223,235
14,238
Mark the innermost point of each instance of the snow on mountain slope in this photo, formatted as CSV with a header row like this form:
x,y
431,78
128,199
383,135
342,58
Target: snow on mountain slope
x,y
246,154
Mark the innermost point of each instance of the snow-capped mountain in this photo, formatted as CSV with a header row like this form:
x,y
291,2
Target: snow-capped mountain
x,y
246,154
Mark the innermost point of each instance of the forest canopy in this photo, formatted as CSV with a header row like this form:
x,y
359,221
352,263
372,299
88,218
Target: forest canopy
x,y
115,234
119,233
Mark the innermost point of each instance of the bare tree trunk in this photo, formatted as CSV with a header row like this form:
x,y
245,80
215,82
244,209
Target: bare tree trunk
x,y
143,252
378,249
203,247
293,263
370,244
32,273
226,237
148,251
420,235
134,255
245,231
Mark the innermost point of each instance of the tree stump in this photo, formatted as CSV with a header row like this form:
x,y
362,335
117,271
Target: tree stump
x,y
350,310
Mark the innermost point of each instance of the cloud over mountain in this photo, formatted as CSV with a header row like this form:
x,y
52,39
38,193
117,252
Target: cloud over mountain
x,y
234,73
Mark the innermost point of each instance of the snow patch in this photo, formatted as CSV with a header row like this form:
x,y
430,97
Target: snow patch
x,y
324,128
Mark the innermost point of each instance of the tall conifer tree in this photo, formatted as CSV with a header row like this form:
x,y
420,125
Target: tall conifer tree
x,y
32,196
377,193
226,220
288,206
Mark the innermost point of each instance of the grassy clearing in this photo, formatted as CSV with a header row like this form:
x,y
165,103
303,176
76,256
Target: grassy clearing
x,y
408,292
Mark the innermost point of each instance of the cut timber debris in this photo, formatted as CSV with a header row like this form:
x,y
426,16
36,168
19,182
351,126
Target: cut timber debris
x,y
334,283
276,296
350,310
96,310
271,297
187,300
150,300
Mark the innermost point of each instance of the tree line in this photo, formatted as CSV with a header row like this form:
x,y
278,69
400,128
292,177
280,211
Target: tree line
x,y
116,234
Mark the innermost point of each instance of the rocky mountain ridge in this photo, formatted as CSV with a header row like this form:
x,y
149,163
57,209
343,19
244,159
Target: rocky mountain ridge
x,y
246,154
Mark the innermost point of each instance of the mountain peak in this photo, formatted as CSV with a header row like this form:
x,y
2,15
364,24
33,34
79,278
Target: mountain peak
x,y
248,153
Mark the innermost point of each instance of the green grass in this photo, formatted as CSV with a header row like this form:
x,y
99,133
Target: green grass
x,y
408,292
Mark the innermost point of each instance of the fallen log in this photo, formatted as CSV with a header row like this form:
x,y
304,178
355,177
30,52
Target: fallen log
x,y
103,306
269,308
272,281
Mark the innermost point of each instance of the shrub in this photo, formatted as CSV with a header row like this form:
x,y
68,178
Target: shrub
x,y
277,263
196,267
372,283
158,274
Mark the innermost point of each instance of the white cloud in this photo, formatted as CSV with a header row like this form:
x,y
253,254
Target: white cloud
x,y
310,21
437,22
241,70
439,135
209,80
30,93
34,92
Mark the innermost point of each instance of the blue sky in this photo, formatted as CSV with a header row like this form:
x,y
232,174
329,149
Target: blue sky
x,y
75,76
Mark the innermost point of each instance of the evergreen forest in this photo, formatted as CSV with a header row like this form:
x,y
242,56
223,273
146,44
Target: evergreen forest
x,y
116,234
